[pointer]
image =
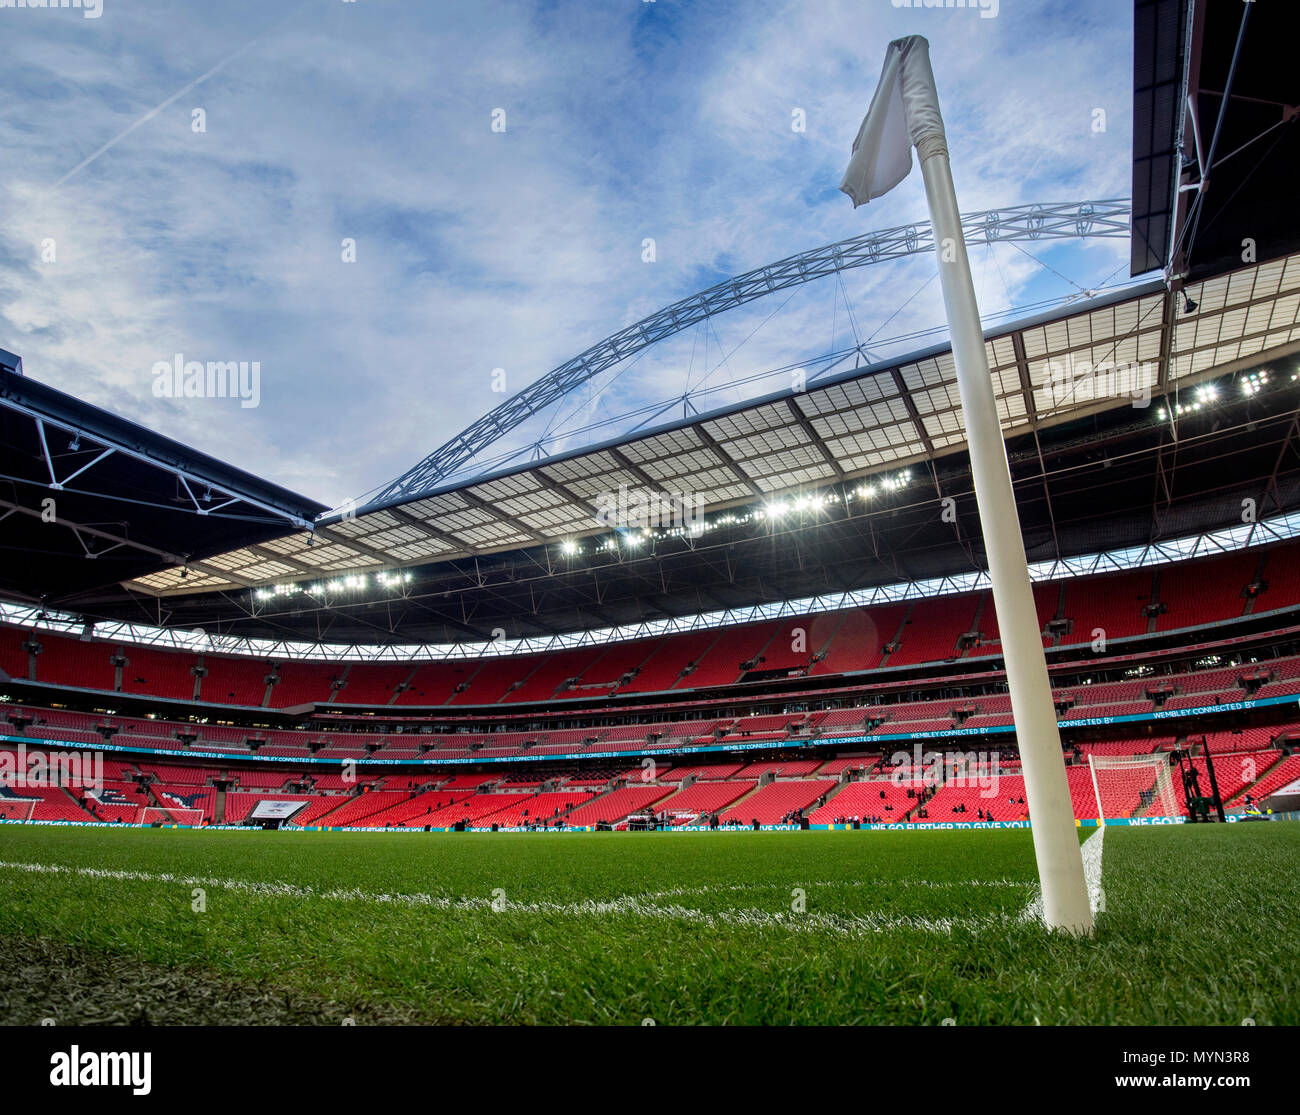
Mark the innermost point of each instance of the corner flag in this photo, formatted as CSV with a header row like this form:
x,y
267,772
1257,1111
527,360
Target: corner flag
x,y
904,114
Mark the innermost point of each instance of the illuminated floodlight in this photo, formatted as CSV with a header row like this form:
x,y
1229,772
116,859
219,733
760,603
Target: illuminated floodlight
x,y
1255,382
568,547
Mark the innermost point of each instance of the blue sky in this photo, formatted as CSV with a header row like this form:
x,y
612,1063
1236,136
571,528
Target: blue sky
x,y
476,249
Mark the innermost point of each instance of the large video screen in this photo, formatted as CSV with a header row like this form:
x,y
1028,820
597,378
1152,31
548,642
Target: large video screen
x,y
275,810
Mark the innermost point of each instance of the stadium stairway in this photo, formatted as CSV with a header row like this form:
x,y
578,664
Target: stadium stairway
x,y
151,792
67,793
834,792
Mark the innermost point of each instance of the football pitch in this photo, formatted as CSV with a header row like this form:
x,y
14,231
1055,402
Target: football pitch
x,y
104,926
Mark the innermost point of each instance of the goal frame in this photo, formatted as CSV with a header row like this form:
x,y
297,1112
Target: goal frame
x,y
7,804
167,814
1157,761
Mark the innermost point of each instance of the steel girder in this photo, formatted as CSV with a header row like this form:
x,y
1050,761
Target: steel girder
x,y
1109,218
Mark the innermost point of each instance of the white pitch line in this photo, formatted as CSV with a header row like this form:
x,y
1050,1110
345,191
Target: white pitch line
x,y
844,925
929,884
1092,848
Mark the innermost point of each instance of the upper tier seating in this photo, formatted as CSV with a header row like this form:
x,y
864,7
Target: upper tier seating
x,y
925,631
158,673
664,665
721,664
1045,602
1112,604
482,683
72,662
932,629
859,641
303,683
1206,590
551,676
235,681
1282,574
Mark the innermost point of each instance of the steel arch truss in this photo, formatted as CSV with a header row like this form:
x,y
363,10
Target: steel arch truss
x,y
1109,218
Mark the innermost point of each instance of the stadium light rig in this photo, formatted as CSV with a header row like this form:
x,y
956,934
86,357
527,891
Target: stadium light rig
x,y
775,510
1255,382
1203,396
353,582
1249,385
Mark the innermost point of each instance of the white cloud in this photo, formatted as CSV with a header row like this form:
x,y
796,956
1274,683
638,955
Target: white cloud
x,y
479,250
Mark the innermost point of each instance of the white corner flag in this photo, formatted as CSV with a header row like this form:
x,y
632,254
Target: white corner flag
x,y
904,114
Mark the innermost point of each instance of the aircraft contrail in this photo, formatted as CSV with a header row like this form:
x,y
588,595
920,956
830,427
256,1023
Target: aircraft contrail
x,y
221,65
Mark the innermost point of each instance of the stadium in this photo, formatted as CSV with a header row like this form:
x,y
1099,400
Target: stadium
x,y
705,715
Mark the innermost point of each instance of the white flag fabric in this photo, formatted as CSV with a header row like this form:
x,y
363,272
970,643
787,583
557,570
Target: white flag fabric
x,y
903,113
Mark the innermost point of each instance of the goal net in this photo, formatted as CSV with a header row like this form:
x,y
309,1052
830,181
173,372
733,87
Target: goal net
x,y
18,809
1134,786
153,815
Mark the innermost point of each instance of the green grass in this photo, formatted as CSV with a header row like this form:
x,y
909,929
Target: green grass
x,y
617,928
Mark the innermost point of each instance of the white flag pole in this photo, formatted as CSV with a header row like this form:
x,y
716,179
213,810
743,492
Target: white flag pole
x,y
1047,793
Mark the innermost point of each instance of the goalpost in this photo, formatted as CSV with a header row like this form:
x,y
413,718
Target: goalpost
x,y
172,815
1135,784
18,809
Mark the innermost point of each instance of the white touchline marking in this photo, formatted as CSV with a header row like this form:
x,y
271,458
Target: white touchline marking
x,y
845,925
731,888
1091,850
1092,870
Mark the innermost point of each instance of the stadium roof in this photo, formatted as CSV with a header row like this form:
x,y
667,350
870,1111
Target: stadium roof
x,y
846,427
513,550
89,499
1216,145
